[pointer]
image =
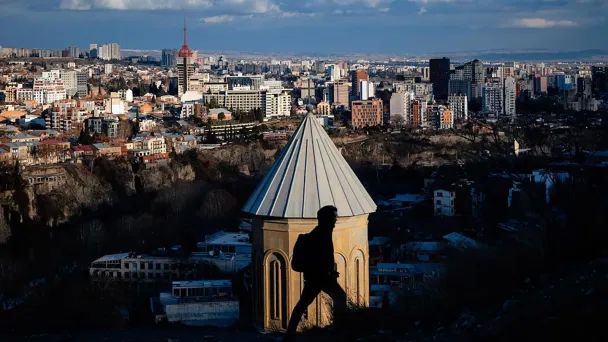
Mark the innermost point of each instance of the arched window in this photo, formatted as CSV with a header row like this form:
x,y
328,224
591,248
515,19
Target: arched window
x,y
276,290
358,281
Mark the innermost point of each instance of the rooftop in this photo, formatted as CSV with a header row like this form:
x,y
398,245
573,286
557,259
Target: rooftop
x,y
227,238
201,283
309,174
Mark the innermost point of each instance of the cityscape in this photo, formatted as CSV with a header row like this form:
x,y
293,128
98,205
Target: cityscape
x,y
157,189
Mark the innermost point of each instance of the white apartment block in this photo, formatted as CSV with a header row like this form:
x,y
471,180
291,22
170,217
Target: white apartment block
x,y
47,91
459,106
509,96
278,103
401,106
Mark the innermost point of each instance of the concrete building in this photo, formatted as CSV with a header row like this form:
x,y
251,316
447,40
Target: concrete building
x,y
460,107
319,176
443,202
493,97
367,90
510,94
401,107
75,82
230,252
278,103
200,303
340,92
48,90
242,100
367,113
419,113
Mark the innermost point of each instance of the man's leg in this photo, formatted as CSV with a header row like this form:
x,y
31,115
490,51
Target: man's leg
x,y
335,291
310,292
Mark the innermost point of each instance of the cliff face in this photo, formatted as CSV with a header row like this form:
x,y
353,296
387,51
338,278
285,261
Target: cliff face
x,y
53,195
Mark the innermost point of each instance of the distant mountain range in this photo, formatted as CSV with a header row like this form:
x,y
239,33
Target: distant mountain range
x,y
485,55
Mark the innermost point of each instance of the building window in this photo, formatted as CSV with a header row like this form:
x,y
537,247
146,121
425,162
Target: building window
x,y
277,292
358,280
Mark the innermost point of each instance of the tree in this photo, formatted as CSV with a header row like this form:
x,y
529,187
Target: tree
x,y
221,116
84,138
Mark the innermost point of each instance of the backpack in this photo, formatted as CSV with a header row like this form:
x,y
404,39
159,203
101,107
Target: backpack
x,y
301,261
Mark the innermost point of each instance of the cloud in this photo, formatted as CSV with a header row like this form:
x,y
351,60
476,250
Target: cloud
x,y
218,19
541,23
245,6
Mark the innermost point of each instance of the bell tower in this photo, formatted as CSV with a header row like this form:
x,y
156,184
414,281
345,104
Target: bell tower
x,y
309,174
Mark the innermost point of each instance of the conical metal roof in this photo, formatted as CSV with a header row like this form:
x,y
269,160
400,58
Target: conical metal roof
x,y
309,174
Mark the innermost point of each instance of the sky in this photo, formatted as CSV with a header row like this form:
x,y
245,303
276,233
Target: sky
x,y
309,26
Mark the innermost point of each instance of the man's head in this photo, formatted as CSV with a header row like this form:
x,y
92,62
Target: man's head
x,y
327,216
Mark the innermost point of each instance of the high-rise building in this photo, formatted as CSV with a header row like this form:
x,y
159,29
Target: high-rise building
x,y
356,76
168,58
400,107
510,92
540,85
367,90
185,65
75,82
367,113
278,103
334,72
419,117
93,51
459,106
340,93
599,78
440,77
493,97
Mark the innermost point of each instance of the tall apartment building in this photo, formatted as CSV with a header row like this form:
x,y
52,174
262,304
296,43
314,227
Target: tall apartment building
x,y
401,107
105,52
459,106
278,103
440,77
493,97
367,113
367,90
419,113
510,93
75,82
340,93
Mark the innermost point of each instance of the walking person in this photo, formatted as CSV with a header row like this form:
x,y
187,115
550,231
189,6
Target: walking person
x,y
314,256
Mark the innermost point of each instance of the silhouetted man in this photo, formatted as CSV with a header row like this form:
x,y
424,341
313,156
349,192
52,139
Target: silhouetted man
x,y
323,276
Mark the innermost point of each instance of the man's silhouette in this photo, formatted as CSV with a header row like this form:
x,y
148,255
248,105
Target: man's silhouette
x,y
323,277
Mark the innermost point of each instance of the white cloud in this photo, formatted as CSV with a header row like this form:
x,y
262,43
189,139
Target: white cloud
x,y
218,19
541,23
243,6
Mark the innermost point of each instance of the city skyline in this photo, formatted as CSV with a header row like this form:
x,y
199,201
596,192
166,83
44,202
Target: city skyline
x,y
405,27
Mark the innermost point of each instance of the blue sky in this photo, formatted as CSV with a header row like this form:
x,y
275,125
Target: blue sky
x,y
322,26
